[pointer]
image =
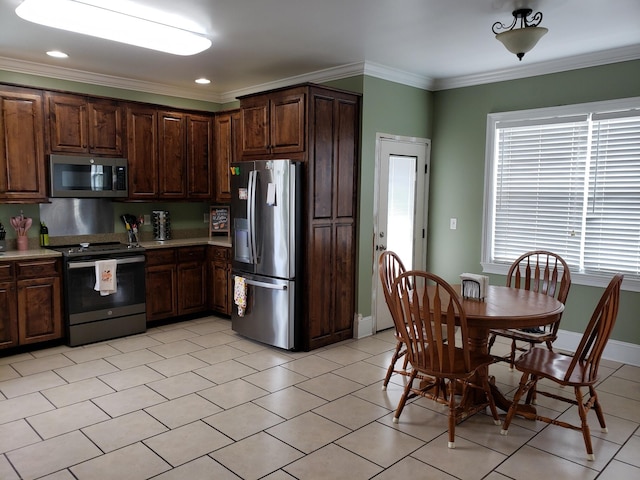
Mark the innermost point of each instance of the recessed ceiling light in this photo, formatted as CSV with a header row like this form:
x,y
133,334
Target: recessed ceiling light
x,y
57,54
107,23
203,81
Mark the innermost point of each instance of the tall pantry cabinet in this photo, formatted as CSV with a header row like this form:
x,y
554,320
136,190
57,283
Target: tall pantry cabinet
x,y
321,127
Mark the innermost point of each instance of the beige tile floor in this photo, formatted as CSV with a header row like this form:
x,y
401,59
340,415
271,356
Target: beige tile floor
x,y
193,400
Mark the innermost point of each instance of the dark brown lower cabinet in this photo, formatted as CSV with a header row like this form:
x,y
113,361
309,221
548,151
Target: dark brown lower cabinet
x,y
176,282
220,294
30,302
192,279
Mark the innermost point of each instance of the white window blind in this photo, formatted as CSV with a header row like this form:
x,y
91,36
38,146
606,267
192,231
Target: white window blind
x,y
569,183
612,239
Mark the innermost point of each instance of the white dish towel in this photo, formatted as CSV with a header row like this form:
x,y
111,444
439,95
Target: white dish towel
x,y
106,282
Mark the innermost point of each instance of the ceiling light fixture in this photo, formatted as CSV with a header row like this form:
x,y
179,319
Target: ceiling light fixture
x,y
203,81
88,19
523,39
57,54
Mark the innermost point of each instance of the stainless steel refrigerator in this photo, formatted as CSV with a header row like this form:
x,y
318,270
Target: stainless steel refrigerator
x,y
266,227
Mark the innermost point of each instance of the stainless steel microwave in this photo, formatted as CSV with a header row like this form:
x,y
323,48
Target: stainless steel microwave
x,y
87,177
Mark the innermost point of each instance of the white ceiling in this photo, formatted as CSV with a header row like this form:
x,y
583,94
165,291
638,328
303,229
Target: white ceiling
x,y
259,44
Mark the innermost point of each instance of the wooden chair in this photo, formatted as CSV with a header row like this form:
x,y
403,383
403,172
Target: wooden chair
x,y
577,371
390,267
427,313
539,271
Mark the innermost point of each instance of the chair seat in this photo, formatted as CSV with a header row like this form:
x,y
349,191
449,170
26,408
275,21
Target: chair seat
x,y
457,370
554,366
518,334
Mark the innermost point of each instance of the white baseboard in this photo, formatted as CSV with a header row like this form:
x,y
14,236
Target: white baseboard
x,y
615,350
362,326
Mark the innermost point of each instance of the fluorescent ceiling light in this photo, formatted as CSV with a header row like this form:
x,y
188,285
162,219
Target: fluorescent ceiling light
x,y
57,54
81,17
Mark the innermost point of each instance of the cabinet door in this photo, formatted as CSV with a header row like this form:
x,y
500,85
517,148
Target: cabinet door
x,y
191,288
39,309
192,296
105,127
22,160
199,157
287,123
142,151
172,155
332,217
8,315
67,123
228,148
161,287
255,126
220,280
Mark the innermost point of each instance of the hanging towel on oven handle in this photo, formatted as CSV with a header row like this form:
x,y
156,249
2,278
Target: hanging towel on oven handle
x,y
106,282
240,294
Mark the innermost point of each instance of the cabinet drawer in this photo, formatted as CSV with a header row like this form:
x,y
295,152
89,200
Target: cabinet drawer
x,y
192,254
162,256
6,271
37,269
220,253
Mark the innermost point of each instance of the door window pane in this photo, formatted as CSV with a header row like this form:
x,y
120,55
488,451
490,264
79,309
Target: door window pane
x,y
401,207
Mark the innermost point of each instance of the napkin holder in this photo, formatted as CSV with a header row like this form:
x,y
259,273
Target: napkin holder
x,y
473,286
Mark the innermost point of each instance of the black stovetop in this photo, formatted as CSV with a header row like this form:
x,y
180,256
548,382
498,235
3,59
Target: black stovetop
x,y
97,249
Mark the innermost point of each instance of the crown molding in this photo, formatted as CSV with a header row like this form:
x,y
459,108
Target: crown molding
x,y
61,73
325,75
336,73
595,59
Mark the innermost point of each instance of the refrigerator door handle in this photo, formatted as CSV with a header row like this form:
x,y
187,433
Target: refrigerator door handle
x,y
265,285
251,214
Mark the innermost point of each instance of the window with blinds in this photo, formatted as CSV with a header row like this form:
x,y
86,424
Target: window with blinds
x,y
565,179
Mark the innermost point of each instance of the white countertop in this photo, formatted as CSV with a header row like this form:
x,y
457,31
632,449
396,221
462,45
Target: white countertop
x,y
186,242
36,253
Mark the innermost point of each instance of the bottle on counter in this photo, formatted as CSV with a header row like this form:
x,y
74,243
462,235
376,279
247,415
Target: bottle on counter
x,y
44,235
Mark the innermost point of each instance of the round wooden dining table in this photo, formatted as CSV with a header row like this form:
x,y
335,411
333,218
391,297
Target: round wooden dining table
x,y
504,307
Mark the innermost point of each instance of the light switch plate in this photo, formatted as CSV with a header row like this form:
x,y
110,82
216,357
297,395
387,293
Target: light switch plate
x,y
453,223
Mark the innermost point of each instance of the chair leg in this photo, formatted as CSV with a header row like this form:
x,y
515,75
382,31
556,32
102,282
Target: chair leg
x,y
492,340
452,414
392,365
522,389
598,408
492,403
512,356
405,395
584,425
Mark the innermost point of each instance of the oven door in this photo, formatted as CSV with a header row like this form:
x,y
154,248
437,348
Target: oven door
x,y
85,304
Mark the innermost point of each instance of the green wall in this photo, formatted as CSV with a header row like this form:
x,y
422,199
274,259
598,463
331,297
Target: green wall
x,y
395,109
457,174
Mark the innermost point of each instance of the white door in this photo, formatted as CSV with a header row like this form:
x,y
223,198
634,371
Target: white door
x,y
400,210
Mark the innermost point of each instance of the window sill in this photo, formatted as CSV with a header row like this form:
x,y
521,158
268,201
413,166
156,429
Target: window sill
x,y
630,283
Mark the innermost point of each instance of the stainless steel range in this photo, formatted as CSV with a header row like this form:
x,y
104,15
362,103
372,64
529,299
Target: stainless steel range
x,y
92,315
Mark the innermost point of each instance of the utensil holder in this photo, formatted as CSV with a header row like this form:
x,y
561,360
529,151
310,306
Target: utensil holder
x,y
22,242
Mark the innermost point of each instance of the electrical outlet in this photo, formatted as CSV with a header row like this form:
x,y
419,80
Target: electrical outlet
x,y
453,223
147,219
